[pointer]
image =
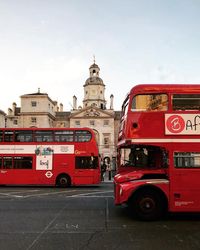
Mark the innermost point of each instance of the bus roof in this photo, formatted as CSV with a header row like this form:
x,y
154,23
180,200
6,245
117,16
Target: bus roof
x,y
165,88
52,129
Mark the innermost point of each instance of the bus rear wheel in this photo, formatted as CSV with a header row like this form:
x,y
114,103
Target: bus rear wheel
x,y
63,180
147,205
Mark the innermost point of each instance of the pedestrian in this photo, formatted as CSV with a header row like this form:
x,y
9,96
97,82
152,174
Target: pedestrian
x,y
103,170
108,168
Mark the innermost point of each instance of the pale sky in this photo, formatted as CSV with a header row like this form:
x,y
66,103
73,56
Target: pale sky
x,y
49,44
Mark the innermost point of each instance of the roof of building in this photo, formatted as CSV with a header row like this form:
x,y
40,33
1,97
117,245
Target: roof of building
x,y
62,115
94,65
95,80
37,93
2,112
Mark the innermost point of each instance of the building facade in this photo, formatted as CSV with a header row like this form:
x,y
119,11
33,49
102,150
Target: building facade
x,y
2,119
39,110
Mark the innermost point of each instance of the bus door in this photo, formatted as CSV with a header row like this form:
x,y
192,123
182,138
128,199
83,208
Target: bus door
x,y
184,181
86,170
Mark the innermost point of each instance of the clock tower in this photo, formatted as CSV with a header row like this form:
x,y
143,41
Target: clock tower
x,y
94,89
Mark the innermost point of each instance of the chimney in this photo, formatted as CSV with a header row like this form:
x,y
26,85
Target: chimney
x,y
61,107
74,102
14,105
111,101
10,112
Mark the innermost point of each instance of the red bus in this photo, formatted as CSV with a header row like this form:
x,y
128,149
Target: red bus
x,y
159,150
48,156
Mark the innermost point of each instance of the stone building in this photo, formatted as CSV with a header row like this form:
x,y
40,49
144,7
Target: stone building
x,y
39,110
2,119
94,114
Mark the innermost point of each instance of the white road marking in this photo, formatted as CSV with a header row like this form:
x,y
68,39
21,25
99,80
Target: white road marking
x,y
88,194
24,194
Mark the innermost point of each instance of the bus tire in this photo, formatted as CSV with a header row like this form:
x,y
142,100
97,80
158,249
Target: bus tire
x,y
147,205
63,180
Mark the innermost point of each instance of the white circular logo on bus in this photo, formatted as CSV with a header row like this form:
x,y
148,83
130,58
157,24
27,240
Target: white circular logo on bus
x,y
49,174
175,124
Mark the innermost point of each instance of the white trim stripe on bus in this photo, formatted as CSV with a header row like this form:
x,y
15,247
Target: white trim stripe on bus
x,y
164,140
151,181
155,140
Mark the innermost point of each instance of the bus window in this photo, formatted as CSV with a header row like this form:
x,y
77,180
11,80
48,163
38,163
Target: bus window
x,y
82,136
64,135
8,135
0,162
125,107
135,156
44,136
187,159
86,162
21,162
23,136
150,102
7,162
143,157
1,135
186,102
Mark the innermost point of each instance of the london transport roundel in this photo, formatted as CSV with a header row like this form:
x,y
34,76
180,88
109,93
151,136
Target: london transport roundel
x,y
175,124
49,174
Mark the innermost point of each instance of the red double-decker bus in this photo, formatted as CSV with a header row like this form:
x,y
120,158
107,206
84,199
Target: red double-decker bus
x,y
48,156
159,150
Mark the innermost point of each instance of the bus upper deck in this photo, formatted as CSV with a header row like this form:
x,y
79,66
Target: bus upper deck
x,y
160,112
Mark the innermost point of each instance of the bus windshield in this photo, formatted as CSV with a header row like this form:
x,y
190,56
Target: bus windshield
x,y
142,156
149,102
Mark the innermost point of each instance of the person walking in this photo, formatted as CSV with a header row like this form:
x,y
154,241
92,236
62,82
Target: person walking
x,y
103,170
108,169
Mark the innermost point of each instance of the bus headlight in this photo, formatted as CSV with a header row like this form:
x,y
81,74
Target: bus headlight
x,y
121,191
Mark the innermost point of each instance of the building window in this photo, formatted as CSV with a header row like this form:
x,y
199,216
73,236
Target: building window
x,y
92,122
33,120
106,142
106,122
33,104
77,123
15,122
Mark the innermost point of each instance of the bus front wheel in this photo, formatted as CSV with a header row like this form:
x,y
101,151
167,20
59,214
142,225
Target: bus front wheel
x,y
147,205
63,180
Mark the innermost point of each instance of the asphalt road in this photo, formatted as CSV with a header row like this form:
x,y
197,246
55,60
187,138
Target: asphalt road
x,y
85,218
